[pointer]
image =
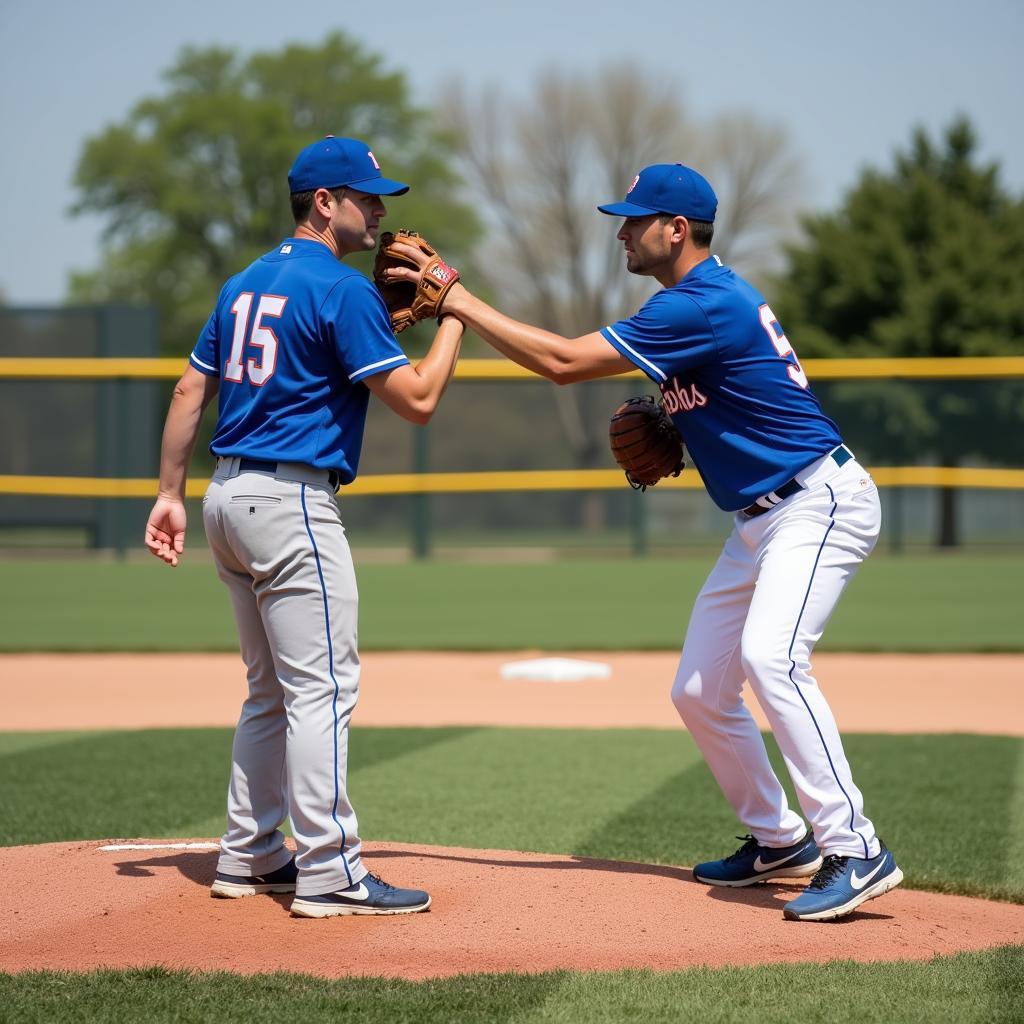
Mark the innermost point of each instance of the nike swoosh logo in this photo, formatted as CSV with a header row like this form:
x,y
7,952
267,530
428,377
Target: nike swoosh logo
x,y
362,893
759,865
858,883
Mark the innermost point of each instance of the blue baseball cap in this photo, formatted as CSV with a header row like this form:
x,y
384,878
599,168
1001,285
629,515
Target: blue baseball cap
x,y
667,188
332,161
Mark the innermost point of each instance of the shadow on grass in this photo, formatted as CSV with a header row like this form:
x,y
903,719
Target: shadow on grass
x,y
683,821
151,782
946,805
155,994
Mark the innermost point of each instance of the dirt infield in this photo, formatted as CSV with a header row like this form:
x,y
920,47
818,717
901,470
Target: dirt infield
x,y
869,693
493,910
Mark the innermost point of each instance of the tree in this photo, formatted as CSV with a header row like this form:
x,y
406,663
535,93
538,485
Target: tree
x,y
538,167
193,182
925,259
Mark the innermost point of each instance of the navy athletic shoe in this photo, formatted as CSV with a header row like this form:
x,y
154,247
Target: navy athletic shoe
x,y
236,886
371,895
753,863
843,884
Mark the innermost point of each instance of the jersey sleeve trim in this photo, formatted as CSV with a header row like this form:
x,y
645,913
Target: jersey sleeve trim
x,y
373,368
631,353
210,371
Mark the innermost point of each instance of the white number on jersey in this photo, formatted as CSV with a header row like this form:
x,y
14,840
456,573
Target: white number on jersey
x,y
262,337
782,345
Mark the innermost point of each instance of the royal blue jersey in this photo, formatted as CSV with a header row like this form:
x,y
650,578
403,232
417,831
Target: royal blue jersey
x,y
730,381
292,338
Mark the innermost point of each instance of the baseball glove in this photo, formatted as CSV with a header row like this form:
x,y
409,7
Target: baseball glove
x,y
645,442
406,302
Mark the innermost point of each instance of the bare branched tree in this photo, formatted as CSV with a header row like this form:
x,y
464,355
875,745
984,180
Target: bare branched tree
x,y
760,186
538,167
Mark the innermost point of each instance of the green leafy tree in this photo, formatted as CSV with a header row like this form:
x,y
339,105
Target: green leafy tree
x,y
193,182
924,259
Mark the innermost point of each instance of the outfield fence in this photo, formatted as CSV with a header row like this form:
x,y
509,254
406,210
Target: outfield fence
x,y
511,460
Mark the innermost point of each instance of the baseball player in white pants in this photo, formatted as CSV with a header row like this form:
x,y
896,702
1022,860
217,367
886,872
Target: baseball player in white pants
x,y
806,515
757,618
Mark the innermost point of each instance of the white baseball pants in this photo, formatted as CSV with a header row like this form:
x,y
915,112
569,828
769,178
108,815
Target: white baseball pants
x,y
758,617
280,547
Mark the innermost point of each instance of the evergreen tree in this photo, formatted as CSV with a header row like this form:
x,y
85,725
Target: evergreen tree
x,y
925,259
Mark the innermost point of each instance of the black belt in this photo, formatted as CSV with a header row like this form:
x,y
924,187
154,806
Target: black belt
x,y
840,457
261,466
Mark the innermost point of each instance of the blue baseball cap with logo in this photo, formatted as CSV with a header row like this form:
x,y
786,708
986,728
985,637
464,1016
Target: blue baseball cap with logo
x,y
667,188
332,161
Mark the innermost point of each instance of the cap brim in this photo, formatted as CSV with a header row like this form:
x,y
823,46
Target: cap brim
x,y
379,187
627,210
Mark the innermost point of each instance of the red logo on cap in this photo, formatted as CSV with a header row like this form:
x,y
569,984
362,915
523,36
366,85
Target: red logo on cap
x,y
633,186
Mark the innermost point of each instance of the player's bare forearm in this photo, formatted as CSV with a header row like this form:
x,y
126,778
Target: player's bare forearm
x,y
538,350
191,396
414,392
437,367
562,360
165,528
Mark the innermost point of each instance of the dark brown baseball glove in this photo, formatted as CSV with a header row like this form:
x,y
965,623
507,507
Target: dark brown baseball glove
x,y
407,302
645,442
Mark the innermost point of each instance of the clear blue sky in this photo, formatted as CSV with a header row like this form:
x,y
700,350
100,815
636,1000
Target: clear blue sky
x,y
848,81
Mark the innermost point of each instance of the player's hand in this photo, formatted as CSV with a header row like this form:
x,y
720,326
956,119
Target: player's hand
x,y
393,275
415,255
165,529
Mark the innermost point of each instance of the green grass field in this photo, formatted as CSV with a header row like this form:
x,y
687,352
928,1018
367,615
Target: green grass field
x,y
951,807
642,795
955,602
974,988
952,830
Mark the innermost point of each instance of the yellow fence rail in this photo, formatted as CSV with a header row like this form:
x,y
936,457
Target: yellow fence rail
x,y
28,368
490,482
481,483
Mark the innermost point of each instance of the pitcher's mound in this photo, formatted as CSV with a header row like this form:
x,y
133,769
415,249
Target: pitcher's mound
x,y
76,906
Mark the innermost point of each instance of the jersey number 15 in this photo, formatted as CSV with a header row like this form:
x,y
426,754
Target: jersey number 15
x,y
782,345
261,370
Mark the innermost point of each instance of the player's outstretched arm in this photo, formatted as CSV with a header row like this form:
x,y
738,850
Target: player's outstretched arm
x,y
165,529
562,360
414,392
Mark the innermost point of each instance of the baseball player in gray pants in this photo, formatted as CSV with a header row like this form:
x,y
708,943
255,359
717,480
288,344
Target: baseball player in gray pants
x,y
293,349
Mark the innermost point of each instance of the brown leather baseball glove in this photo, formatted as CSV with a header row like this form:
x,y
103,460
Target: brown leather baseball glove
x,y
645,442
407,302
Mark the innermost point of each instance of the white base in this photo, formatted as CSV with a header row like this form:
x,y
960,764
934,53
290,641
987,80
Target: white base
x,y
555,670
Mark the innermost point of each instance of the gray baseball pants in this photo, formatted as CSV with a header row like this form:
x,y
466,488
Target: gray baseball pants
x,y
279,545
